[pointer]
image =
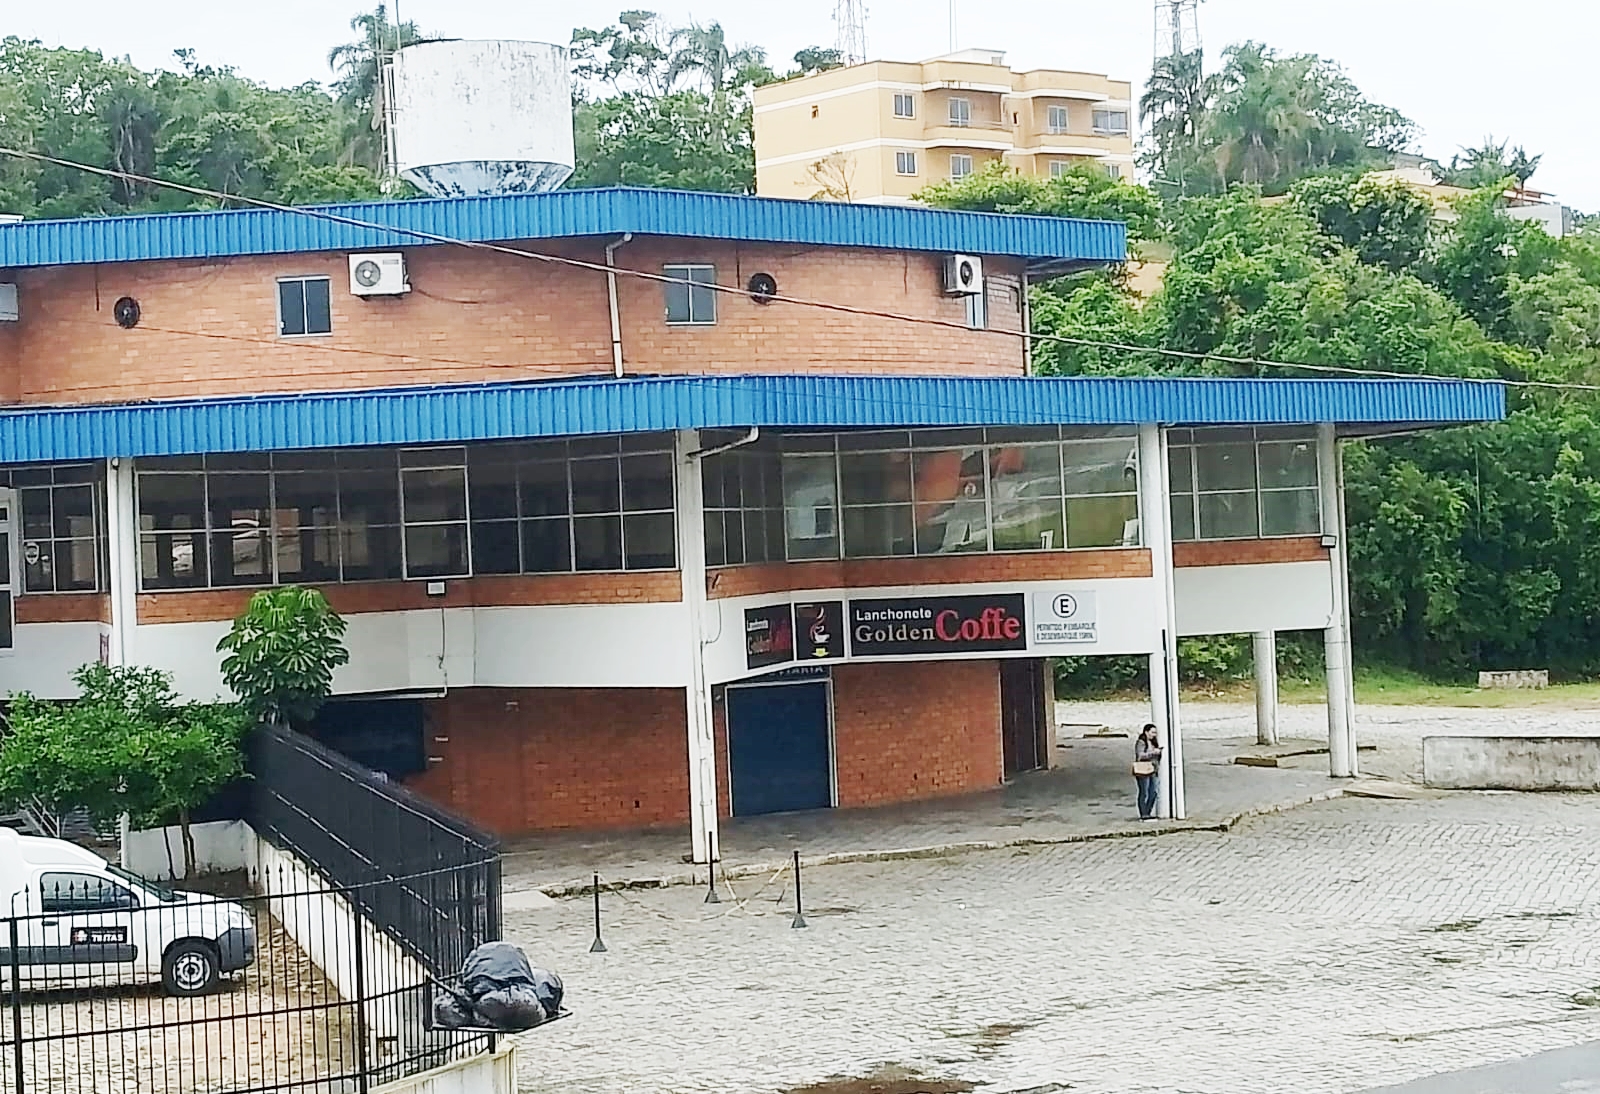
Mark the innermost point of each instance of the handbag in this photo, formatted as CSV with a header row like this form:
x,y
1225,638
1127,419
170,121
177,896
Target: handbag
x,y
1143,767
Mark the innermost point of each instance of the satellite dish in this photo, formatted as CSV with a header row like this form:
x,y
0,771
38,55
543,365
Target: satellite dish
x,y
126,312
368,274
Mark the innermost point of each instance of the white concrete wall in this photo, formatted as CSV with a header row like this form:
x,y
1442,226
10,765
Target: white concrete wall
x,y
1276,596
44,657
496,1074
557,645
1511,763
219,846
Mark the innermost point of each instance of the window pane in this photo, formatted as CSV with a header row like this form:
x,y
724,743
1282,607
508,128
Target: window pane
x,y
307,553
319,315
872,478
1180,470
1228,516
36,519
809,507
1290,513
651,541
1101,521
1183,517
494,547
436,550
547,546
1100,467
703,302
434,495
544,488
1287,463
369,552
733,536
877,531
595,487
1025,481
716,552
494,491
291,307
237,498
172,560
647,482
305,500
773,519
172,502
240,557
597,543
732,489
951,508
755,536
711,480
676,295
369,497
1225,467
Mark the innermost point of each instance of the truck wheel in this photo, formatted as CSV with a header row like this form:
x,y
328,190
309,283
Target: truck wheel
x,y
190,968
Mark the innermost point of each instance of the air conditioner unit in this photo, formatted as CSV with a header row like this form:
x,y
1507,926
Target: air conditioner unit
x,y
378,274
963,275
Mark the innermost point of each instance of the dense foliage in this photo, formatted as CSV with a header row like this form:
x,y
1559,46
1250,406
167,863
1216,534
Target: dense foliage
x,y
281,652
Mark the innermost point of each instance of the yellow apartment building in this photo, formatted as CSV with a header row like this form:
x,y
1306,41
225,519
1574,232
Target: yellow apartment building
x,y
883,130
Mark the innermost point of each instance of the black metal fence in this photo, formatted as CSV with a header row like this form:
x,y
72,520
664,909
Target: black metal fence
x,y
358,830
111,986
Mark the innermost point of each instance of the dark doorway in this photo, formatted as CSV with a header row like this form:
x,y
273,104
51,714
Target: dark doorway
x,y
1022,714
779,756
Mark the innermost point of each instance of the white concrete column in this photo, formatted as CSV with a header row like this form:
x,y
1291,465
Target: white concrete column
x,y
1349,633
1336,638
1265,647
122,561
701,726
1155,526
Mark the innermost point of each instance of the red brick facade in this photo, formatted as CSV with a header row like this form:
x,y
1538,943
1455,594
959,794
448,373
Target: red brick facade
x,y
778,577
916,729
210,328
1239,552
525,759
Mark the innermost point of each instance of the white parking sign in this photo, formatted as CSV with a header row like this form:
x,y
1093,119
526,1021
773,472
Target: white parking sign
x,y
1064,618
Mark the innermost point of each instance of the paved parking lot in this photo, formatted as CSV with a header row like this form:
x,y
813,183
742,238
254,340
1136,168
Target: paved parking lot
x,y
1338,947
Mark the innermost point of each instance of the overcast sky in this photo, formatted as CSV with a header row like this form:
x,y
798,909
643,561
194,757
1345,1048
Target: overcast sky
x,y
1460,70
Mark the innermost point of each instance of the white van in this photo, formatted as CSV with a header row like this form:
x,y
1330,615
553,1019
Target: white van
x,y
82,922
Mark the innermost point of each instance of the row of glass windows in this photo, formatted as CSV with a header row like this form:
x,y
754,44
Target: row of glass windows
x,y
600,503
608,504
1243,484
931,492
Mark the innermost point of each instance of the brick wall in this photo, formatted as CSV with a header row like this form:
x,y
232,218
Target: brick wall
x,y
527,759
210,327
1238,552
730,581
916,729
64,608
652,587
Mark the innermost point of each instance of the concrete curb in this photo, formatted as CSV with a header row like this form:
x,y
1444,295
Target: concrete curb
x,y
560,890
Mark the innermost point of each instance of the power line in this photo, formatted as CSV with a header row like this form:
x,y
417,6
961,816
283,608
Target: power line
x,y
823,305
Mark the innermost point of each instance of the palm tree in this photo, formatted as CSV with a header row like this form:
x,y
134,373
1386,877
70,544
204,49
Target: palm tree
x,y
705,50
359,67
1264,126
1174,103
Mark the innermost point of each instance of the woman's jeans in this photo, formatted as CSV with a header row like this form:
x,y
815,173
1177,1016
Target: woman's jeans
x,y
1148,790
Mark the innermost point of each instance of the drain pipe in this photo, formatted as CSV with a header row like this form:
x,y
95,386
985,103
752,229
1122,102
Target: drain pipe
x,y
611,298
749,438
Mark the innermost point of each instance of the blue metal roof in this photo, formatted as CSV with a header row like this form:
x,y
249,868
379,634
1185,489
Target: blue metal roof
x,y
1048,241
554,408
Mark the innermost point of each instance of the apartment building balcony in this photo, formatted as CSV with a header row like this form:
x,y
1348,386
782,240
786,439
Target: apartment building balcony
x,y
989,135
1063,143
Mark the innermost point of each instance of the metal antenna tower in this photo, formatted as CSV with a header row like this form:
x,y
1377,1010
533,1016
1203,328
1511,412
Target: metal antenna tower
x,y
850,23
1177,27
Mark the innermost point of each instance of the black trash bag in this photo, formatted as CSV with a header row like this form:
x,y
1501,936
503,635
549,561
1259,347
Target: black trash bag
x,y
501,990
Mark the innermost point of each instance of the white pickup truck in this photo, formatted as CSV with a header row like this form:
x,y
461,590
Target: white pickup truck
x,y
82,922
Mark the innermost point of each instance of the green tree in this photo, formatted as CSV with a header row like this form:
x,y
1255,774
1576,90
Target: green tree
x,y
684,141
281,653
1385,222
126,745
1491,164
1080,191
358,70
817,59
1174,106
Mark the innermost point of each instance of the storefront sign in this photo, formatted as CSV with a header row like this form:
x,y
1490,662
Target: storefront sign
x,y
768,636
1062,618
937,625
819,631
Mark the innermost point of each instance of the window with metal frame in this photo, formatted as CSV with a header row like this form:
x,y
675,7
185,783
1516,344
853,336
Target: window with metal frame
x,y
905,163
1056,119
1243,483
305,306
62,526
960,111
1110,121
690,298
743,494
960,166
905,105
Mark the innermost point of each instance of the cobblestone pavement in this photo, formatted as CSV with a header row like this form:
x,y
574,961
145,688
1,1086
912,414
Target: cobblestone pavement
x,y
1341,946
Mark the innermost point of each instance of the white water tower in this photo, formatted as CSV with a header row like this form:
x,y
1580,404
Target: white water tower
x,y
482,117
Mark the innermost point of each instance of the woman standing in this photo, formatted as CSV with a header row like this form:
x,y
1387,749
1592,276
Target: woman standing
x,y
1147,770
